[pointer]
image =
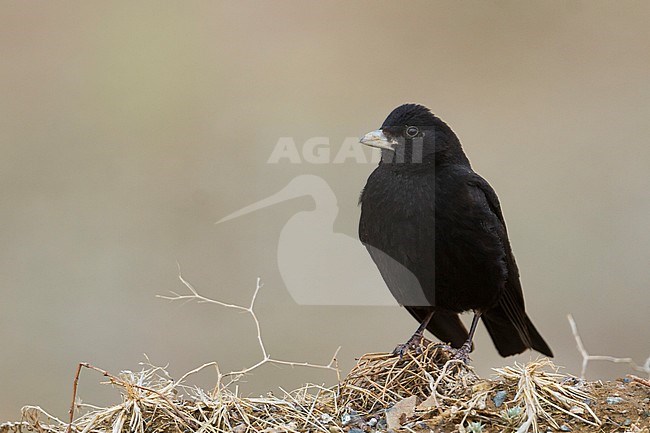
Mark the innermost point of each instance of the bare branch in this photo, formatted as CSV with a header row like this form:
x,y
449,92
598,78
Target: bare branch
x,y
234,376
586,357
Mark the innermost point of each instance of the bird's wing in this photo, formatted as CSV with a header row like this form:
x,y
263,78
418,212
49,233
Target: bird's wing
x,y
484,195
509,315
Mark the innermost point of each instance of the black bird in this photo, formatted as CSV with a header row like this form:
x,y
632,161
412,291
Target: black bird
x,y
435,230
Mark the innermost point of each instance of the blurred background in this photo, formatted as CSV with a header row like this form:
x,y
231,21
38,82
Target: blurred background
x,y
128,129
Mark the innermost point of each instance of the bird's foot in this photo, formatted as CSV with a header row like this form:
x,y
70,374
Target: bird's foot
x,y
462,354
414,343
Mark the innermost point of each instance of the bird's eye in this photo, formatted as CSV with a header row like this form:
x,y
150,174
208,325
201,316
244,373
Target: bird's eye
x,y
412,131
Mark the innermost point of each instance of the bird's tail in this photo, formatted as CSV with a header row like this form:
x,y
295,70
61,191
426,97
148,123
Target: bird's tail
x,y
513,335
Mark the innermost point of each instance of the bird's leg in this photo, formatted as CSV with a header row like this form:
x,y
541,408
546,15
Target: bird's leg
x,y
463,352
416,338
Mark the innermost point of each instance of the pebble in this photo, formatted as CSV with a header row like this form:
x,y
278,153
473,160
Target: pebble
x,y
565,427
613,400
350,417
499,398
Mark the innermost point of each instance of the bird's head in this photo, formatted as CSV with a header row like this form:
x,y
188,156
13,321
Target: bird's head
x,y
412,134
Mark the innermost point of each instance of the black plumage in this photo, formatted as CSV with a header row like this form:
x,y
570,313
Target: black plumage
x,y
436,232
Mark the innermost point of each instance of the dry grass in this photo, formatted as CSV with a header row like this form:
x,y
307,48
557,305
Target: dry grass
x,y
427,391
379,380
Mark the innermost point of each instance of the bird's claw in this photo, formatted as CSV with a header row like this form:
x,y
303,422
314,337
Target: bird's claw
x,y
414,344
400,350
462,354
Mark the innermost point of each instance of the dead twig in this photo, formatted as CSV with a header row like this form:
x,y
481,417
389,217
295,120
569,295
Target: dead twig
x,y
249,309
586,357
